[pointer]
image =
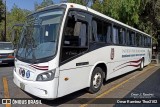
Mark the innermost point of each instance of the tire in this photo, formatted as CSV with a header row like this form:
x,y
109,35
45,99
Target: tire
x,y
141,65
96,80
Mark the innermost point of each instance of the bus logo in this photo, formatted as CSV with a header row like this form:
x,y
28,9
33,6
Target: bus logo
x,y
112,53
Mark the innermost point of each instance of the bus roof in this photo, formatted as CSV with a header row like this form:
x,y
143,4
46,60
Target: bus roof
x,y
78,6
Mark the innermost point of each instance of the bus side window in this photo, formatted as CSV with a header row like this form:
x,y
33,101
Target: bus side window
x,y
118,35
101,31
124,36
137,40
127,39
75,33
97,31
121,36
142,40
94,31
115,35
145,41
148,42
133,38
109,34
75,38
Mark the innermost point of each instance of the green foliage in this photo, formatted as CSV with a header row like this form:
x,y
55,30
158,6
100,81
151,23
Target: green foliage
x,y
1,10
82,2
150,17
97,5
141,14
43,4
15,16
126,11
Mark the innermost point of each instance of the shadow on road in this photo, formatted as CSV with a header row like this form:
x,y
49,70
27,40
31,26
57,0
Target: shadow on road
x,y
68,99
118,77
73,98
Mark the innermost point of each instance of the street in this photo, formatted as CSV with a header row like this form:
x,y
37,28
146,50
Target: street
x,y
125,86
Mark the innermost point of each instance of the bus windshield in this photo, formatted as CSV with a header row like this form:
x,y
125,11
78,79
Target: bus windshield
x,y
40,35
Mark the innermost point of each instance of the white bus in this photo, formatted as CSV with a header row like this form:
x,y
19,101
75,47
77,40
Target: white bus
x,y
68,47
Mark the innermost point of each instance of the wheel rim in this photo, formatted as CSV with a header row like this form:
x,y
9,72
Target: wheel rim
x,y
142,64
97,80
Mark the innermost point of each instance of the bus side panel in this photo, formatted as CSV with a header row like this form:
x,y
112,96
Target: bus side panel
x,y
72,80
126,59
79,70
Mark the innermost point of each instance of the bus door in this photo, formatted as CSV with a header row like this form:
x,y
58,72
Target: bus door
x,y
74,65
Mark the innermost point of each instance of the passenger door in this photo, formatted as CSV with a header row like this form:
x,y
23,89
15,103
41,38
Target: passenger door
x,y
74,66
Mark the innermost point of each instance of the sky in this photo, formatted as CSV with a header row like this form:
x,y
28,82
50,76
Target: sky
x,y
24,4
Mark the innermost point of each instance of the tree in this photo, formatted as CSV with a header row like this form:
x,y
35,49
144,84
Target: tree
x,y
82,2
126,11
150,17
1,20
16,15
43,4
1,10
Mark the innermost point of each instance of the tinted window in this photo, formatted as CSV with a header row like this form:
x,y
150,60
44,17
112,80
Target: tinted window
x,y
75,39
101,31
115,35
118,35
131,38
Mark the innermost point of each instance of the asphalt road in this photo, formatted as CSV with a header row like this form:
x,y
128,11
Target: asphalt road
x,y
146,81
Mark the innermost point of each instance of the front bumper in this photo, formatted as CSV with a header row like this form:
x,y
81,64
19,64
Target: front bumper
x,y
44,89
7,60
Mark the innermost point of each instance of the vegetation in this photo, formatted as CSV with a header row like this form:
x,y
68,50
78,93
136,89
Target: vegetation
x,y
1,10
1,18
15,16
141,14
43,4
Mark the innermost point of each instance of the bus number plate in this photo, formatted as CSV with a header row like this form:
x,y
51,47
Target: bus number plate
x,y
22,86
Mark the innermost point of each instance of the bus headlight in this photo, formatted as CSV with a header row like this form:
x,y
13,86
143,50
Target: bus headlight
x,y
46,76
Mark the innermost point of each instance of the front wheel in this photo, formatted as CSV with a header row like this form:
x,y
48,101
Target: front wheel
x,y
96,80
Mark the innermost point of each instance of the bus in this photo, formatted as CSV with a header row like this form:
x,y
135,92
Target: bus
x,y
67,47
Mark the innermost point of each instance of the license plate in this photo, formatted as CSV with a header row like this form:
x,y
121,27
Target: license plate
x,y
22,86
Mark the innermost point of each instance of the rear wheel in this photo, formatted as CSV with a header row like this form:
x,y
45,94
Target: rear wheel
x,y
96,80
141,65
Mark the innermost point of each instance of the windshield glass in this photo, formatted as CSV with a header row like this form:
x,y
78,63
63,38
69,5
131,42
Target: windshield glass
x,y
40,35
6,46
